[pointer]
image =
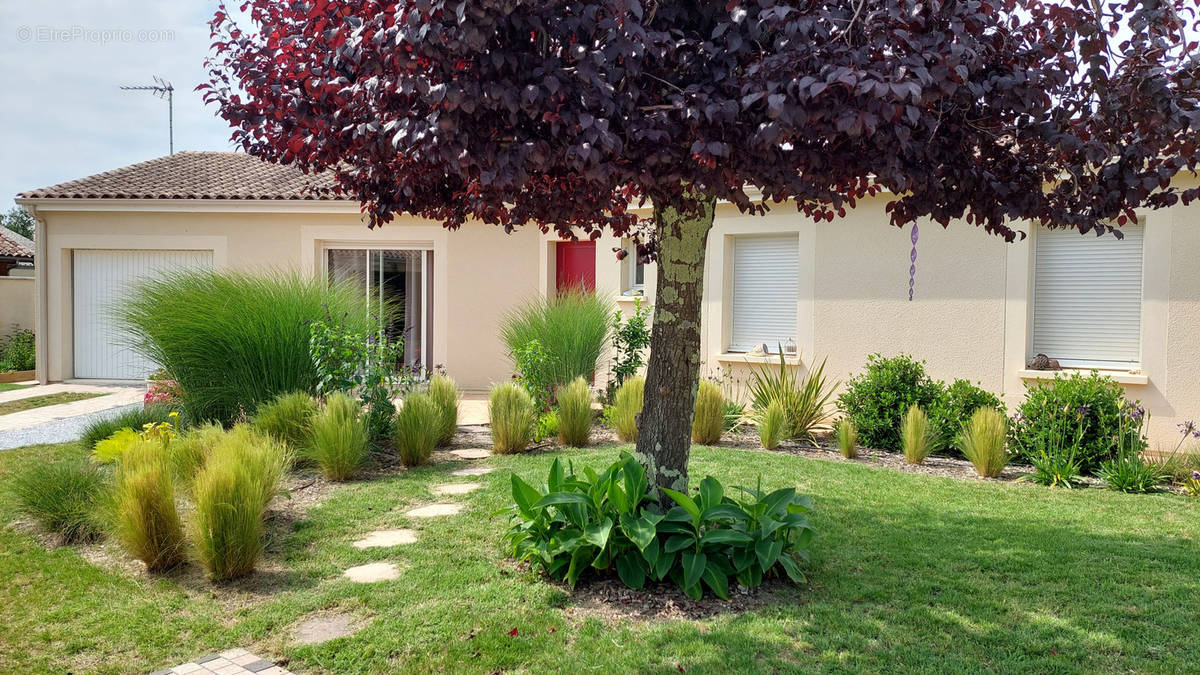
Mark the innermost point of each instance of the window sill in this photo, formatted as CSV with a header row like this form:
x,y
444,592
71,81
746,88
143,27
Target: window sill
x,y
1119,376
738,357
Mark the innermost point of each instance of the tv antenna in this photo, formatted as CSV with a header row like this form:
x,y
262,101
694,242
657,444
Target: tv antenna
x,y
162,89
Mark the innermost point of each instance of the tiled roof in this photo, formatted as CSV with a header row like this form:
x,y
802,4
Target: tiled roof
x,y
196,175
13,245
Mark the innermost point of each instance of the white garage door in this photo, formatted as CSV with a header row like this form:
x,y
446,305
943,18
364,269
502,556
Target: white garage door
x,y
101,279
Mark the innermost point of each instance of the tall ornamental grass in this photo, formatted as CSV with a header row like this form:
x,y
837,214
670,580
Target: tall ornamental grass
x,y
416,428
918,437
982,442
575,416
847,437
230,496
61,497
513,419
337,438
444,393
771,423
627,405
571,327
709,419
144,517
288,418
234,340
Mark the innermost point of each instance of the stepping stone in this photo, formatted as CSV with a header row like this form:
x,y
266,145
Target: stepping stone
x,y
325,628
473,471
455,488
372,572
383,538
472,453
435,510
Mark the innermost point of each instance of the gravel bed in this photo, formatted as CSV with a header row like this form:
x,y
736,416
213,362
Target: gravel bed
x,y
58,431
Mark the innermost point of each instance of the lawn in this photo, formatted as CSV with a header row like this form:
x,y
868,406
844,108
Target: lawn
x,y
32,402
13,386
909,573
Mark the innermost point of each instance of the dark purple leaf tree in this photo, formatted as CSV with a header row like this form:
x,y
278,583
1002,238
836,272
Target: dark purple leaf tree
x,y
567,115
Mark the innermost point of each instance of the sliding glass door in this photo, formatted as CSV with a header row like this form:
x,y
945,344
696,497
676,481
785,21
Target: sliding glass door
x,y
397,285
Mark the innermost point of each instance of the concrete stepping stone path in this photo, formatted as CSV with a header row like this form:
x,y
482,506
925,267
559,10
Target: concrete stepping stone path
x,y
320,629
384,538
372,572
455,488
472,453
473,471
435,510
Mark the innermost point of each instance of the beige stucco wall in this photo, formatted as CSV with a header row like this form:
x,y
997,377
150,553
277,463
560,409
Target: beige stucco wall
x,y
479,272
16,303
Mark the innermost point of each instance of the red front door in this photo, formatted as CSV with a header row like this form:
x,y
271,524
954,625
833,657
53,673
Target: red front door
x,y
575,265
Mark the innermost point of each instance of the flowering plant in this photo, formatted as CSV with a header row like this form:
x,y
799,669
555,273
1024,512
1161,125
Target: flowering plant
x,y
1192,484
163,390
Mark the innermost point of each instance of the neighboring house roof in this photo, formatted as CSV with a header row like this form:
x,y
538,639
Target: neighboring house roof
x,y
196,175
13,245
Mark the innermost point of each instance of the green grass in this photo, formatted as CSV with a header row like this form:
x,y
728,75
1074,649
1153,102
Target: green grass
x,y
909,573
23,404
13,386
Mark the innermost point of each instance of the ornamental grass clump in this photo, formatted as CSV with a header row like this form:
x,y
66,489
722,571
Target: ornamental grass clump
x,y
572,328
230,495
771,423
627,405
235,340
575,415
191,450
444,393
847,438
982,442
918,438
62,497
287,418
513,419
337,440
709,419
416,429
144,516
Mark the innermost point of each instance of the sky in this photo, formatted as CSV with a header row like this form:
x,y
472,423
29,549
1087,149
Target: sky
x,y
62,63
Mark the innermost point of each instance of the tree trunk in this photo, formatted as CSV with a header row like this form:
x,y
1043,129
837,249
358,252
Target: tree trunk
x,y
673,371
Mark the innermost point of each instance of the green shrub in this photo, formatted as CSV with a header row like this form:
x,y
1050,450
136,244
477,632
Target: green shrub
x,y
771,423
627,405
805,402
338,438
510,409
610,523
708,421
61,497
1091,407
982,441
571,327
575,416
145,519
417,428
958,403
547,426
234,340
847,438
918,437
17,351
877,399
191,450
444,392
287,418
134,419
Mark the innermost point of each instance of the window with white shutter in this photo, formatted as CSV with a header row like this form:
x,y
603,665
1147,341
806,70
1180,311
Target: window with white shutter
x,y
764,291
1087,297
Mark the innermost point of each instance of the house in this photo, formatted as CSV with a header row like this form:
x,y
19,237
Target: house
x,y
16,281
837,291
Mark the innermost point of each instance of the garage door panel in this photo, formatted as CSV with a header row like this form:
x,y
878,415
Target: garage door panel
x,y
102,278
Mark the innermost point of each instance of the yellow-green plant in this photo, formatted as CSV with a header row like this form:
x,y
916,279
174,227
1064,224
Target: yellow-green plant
x,y
444,392
626,407
709,419
847,438
338,438
771,423
982,442
918,438
288,418
144,517
575,415
416,429
231,494
112,448
191,449
513,418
